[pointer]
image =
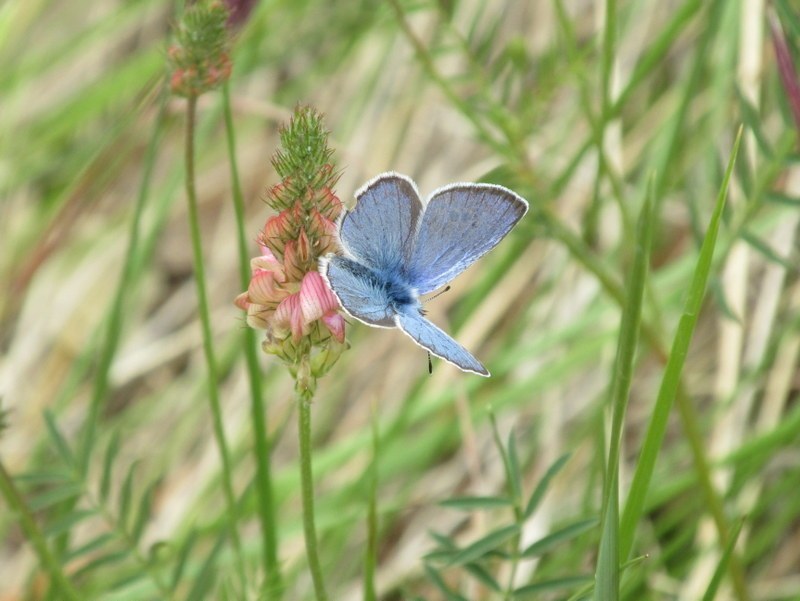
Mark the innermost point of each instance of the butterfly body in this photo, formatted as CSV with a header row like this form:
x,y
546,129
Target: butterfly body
x,y
397,248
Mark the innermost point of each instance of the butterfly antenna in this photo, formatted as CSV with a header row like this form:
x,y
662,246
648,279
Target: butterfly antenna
x,y
437,295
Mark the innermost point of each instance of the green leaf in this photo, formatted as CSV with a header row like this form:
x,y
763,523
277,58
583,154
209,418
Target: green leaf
x,y
541,487
55,495
92,545
750,115
484,545
204,583
525,592
444,541
108,465
472,503
183,556
483,576
143,514
768,253
724,560
55,476
513,468
781,198
671,379
126,494
441,555
546,543
66,522
58,439
438,581
103,561
607,572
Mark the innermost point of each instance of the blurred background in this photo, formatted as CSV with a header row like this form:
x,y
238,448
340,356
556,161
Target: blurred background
x,y
517,93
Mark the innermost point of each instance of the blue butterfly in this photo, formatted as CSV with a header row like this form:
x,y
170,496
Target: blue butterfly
x,y
397,248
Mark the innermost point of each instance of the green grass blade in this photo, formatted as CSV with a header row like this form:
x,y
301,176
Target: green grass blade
x,y
473,503
607,574
528,591
722,566
371,551
545,544
541,487
484,545
670,383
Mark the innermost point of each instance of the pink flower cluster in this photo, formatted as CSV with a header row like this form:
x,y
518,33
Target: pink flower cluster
x,y
287,295
272,305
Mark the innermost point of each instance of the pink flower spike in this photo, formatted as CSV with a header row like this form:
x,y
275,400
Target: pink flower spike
x,y
316,299
786,67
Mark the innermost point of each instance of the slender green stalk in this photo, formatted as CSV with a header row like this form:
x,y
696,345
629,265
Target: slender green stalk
x,y
208,344
115,316
307,486
265,500
32,532
609,39
371,551
607,577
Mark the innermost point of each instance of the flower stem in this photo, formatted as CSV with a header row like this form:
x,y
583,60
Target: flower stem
x,y
265,502
307,485
208,346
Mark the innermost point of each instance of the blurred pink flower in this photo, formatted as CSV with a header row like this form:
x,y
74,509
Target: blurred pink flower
x,y
786,67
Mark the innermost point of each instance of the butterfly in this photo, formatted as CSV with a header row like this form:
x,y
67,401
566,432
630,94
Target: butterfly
x,y
397,248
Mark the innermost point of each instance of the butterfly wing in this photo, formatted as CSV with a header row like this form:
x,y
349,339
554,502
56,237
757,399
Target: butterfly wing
x,y
379,231
428,336
359,290
461,223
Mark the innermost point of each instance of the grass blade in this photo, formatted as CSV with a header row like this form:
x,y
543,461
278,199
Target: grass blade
x,y
484,545
607,574
544,544
670,382
722,566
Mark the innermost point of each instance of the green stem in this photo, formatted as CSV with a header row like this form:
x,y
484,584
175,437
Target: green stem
x,y
116,313
28,524
307,485
266,505
208,345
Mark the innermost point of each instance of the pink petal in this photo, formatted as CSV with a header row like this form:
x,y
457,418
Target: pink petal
x,y
263,289
258,317
242,301
267,263
316,299
335,323
289,316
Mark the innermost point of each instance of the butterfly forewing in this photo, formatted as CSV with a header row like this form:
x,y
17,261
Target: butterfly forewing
x,y
379,231
461,223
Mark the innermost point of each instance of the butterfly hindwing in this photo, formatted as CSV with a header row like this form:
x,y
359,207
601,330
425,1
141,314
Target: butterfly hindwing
x,y
428,336
359,290
379,232
461,223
